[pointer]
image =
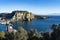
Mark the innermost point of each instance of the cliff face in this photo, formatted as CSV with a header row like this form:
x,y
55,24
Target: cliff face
x,y
17,15
30,16
22,15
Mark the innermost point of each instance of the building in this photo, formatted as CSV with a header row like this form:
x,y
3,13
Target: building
x,y
9,28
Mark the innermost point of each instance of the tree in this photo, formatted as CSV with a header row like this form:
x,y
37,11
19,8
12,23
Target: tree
x,y
56,32
45,35
33,35
21,34
2,35
9,36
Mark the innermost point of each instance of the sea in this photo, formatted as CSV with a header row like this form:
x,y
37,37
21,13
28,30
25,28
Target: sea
x,y
38,24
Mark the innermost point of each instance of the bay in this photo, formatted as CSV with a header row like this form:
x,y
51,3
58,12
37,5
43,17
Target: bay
x,y
39,24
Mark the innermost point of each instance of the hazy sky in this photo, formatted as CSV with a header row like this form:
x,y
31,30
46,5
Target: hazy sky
x,y
35,6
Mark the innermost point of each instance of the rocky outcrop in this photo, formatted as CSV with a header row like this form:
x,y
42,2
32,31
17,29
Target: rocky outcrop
x,y
17,15
40,17
23,15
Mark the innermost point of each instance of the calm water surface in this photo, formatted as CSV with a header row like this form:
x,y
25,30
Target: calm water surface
x,y
39,24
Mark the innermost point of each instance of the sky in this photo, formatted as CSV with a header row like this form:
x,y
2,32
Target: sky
x,y
39,7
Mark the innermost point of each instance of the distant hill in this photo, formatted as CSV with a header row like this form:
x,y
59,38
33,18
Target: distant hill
x,y
40,17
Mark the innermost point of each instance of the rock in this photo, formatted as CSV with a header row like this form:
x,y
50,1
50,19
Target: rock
x,y
40,17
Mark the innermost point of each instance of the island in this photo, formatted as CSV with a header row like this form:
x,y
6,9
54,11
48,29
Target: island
x,y
40,17
16,16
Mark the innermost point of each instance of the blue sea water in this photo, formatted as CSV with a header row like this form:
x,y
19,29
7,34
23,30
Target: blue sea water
x,y
3,27
39,24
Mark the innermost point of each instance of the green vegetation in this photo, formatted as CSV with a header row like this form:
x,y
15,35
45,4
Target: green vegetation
x,y
9,36
2,35
33,34
21,34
